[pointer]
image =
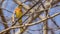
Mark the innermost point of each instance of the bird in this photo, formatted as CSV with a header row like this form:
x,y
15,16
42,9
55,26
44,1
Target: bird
x,y
19,13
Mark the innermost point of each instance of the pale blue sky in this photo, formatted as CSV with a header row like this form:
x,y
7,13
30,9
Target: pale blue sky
x,y
10,5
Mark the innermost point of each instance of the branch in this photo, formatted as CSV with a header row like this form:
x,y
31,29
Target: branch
x,y
3,18
26,12
31,23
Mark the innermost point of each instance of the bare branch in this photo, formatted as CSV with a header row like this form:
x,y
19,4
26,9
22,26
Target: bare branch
x,y
30,24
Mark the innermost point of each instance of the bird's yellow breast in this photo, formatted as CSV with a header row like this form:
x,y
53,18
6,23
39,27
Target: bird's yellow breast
x,y
18,12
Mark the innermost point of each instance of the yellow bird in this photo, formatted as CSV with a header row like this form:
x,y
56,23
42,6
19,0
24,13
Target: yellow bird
x,y
18,12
